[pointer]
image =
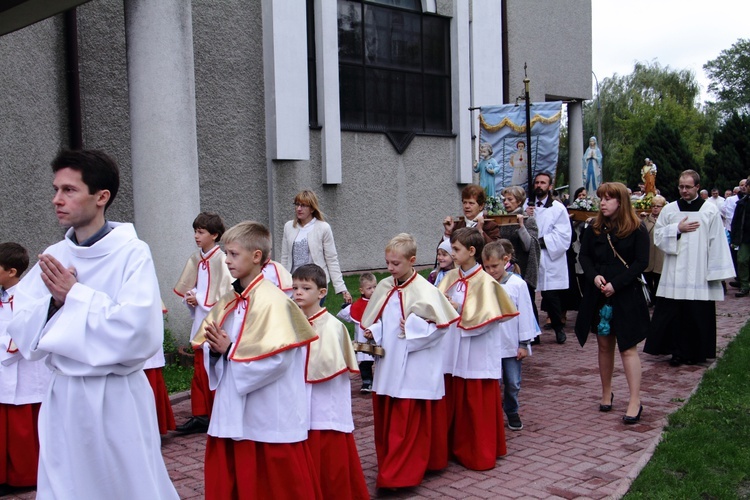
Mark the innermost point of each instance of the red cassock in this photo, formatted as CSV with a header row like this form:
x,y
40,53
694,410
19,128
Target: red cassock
x,y
250,469
337,463
201,396
19,444
476,435
409,439
164,413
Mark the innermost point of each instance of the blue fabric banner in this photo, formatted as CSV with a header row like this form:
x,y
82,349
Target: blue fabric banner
x,y
506,159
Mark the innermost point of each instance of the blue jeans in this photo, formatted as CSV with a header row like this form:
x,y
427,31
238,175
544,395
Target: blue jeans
x,y
511,384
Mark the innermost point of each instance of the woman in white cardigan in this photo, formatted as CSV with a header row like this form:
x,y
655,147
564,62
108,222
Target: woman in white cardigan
x,y
308,239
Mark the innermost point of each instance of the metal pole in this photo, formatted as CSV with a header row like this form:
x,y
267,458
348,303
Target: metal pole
x,y
599,137
526,82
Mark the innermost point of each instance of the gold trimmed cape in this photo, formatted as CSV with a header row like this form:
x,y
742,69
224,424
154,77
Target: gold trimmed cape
x,y
219,279
485,300
283,277
418,296
332,354
272,322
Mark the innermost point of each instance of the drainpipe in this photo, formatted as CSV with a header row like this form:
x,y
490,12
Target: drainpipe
x,y
72,74
506,64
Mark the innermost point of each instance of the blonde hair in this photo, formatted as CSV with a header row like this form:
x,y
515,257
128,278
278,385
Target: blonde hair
x,y
494,249
516,192
252,236
660,199
403,243
309,198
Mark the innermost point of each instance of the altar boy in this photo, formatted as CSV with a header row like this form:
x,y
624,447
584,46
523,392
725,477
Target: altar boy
x,y
255,342
473,356
329,391
408,317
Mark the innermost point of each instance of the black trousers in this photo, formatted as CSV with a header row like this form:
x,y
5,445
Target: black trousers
x,y
552,303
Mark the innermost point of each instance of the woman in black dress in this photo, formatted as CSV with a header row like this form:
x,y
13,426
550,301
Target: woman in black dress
x,y
614,253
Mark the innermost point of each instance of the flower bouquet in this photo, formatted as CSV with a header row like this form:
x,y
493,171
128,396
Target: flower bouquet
x,y
583,208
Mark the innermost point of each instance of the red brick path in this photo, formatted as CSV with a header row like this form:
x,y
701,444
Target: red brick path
x,y
567,448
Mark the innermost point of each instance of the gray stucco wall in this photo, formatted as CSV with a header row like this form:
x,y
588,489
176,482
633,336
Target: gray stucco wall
x,y
33,127
104,93
554,38
228,52
382,194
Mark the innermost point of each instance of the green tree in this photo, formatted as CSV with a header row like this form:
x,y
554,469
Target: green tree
x,y
731,160
666,147
730,77
634,103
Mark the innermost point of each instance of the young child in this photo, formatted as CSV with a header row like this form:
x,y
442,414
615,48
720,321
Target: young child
x,y
22,383
255,342
329,362
353,314
408,317
517,333
154,374
444,263
473,365
203,281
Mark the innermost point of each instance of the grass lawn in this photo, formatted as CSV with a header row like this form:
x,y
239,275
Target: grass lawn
x,y
177,378
705,451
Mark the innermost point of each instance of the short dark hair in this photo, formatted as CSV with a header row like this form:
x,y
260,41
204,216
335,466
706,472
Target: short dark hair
x,y
469,237
549,176
311,272
14,256
472,191
98,170
211,222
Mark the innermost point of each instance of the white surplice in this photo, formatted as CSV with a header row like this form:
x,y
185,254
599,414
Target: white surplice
x,y
554,227
98,433
411,367
518,328
696,262
21,381
263,400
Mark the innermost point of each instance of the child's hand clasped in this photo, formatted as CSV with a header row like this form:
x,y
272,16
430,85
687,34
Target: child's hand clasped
x,y
217,339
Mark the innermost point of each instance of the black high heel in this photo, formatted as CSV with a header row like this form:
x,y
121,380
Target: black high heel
x,y
606,408
633,420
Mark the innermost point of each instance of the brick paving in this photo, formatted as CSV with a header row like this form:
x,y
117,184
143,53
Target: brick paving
x,y
567,448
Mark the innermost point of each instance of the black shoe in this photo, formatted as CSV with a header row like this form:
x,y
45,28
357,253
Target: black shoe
x,y
537,340
734,284
366,389
742,293
548,326
196,425
606,408
514,422
675,361
627,419
560,336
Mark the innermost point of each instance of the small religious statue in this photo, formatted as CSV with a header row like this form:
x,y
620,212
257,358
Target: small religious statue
x,y
519,162
648,174
487,167
592,166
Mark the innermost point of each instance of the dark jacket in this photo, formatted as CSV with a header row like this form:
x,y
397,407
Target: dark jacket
x,y
630,317
741,222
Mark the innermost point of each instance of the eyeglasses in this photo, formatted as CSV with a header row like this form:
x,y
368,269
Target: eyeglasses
x,y
685,188
657,206
300,205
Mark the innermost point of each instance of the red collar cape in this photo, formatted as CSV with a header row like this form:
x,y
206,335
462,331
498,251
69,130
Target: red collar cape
x,y
272,322
219,279
332,354
417,296
485,300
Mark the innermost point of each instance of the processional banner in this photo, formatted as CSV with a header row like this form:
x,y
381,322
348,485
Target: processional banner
x,y
503,127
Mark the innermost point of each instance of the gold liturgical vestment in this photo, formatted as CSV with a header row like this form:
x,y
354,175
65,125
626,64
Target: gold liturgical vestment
x,y
417,296
485,300
332,354
219,279
272,322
